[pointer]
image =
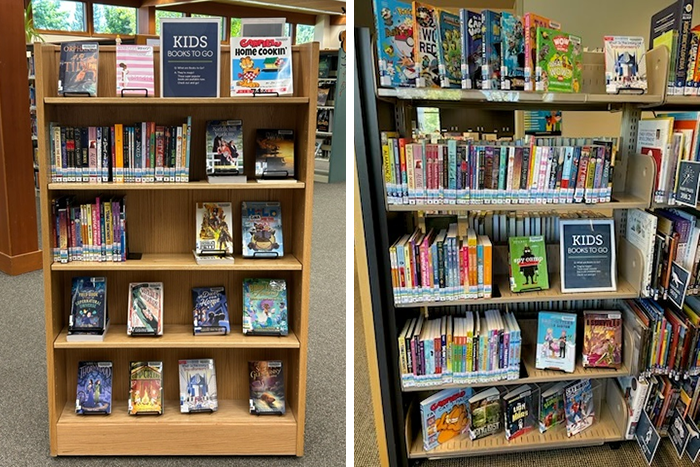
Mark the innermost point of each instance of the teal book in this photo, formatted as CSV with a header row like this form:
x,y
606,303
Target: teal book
x,y
265,307
556,341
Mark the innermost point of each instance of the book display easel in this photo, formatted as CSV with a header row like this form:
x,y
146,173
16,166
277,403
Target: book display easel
x,y
161,229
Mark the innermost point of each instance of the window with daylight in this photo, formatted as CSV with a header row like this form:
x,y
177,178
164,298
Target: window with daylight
x,y
235,27
305,33
166,14
110,19
220,18
59,15
428,120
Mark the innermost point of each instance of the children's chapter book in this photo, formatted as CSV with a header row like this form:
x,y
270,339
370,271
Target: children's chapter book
x,y
512,52
552,411
274,155
261,65
198,386
602,339
94,394
261,223
520,415
395,43
625,64
485,411
528,264
135,70
210,311
531,22
146,388
444,416
559,61
266,387
145,313
580,410
556,341
425,35
224,148
449,50
265,306
491,49
78,68
88,304
212,227
471,36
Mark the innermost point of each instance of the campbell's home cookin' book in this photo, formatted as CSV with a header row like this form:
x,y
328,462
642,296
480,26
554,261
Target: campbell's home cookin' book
x,y
528,264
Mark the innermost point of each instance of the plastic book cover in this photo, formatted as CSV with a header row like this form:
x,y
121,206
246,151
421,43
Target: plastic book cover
x,y
471,36
580,410
265,306
485,411
88,304
395,43
552,411
266,387
426,45
625,64
146,388
198,386
225,147
602,339
513,52
491,50
528,264
444,416
261,223
519,411
559,61
78,68
210,310
261,65
274,155
556,341
212,227
449,50
531,22
94,393
135,69
145,314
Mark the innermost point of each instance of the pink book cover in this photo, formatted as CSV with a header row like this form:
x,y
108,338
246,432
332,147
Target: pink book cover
x,y
582,172
425,274
135,69
92,153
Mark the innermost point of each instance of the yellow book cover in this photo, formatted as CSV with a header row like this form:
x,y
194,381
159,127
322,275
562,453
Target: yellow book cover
x,y
470,349
109,238
119,153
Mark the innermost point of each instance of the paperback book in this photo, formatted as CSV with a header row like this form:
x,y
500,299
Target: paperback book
x,y
450,50
471,36
520,411
213,231
266,387
491,49
580,410
556,341
528,264
225,147
395,43
602,339
94,394
262,229
552,411
210,311
261,65
531,22
145,313
135,70
485,411
444,416
559,61
265,307
77,72
146,388
512,52
88,305
625,64
425,35
274,156
198,386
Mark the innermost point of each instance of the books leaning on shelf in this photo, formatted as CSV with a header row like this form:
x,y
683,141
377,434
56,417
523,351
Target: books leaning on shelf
x,y
556,341
146,388
121,153
625,64
520,410
444,416
265,307
78,68
210,311
579,406
485,411
534,171
261,224
267,395
528,264
94,392
88,320
552,406
198,386
602,339
145,313
635,390
224,150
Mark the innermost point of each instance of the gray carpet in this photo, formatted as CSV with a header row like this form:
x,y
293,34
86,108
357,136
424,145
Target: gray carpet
x,y
23,406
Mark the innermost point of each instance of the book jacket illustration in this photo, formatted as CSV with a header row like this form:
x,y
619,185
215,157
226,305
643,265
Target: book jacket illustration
x,y
602,339
146,388
261,65
395,46
225,147
450,50
559,61
491,49
485,410
425,35
94,394
471,49
198,386
210,312
513,52
266,387
213,231
556,341
145,314
580,410
262,229
528,264
519,412
444,416
625,64
88,304
135,69
552,411
274,156
78,68
265,306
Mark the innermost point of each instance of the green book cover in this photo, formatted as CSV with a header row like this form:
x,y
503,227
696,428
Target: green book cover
x,y
528,264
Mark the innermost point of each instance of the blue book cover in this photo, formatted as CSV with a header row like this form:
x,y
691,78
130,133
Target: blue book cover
x,y
78,68
471,36
262,229
449,50
513,52
395,43
491,50
210,310
265,306
261,65
88,304
556,341
198,386
444,415
94,393
579,406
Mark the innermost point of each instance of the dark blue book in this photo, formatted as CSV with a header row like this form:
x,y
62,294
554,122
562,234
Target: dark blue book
x,y
262,229
210,311
94,394
78,68
678,17
88,305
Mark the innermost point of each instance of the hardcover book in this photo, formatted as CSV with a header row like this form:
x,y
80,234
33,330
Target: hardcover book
x,y
145,313
146,388
552,411
274,156
449,50
395,43
78,68
88,304
265,306
135,69
262,229
94,394
556,341
198,386
559,61
261,65
225,147
485,411
266,387
213,232
471,49
602,339
210,311
625,64
528,264
512,52
426,45
444,416
491,49
580,410
519,411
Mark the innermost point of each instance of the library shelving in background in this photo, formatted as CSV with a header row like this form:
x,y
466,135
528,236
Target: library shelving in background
x,y
330,145
379,109
161,226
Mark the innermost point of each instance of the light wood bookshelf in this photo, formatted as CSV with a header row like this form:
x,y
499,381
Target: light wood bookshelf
x,y
161,226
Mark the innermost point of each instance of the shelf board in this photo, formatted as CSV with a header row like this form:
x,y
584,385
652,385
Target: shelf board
x,y
683,101
182,262
253,184
129,101
179,336
324,133
502,285
329,107
122,434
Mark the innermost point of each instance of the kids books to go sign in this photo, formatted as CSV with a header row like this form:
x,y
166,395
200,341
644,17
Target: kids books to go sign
x,y
556,341
587,255
261,65
266,387
78,68
265,306
94,394
198,386
135,69
444,416
394,21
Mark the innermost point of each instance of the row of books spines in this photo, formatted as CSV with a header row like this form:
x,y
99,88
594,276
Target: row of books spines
x,y
663,396
441,265
480,347
139,153
483,173
89,231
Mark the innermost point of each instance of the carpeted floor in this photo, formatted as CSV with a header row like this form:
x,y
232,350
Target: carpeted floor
x,y
23,405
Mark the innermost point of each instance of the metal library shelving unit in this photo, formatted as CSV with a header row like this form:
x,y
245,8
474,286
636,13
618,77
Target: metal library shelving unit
x,y
379,109
161,227
330,160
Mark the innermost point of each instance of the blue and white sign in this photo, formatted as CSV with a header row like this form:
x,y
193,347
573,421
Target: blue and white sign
x,y
647,437
587,255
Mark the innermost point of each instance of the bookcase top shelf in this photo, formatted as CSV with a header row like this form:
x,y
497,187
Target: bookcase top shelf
x,y
130,101
196,185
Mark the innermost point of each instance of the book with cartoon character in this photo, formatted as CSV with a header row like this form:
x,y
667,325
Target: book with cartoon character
x,y
556,341
491,50
88,305
198,386
625,64
602,339
471,48
261,65
579,406
146,388
512,52
94,393
394,21
210,311
78,68
559,63
224,147
425,35
528,264
519,410
135,69
266,387
261,223
444,416
265,306
449,50
213,230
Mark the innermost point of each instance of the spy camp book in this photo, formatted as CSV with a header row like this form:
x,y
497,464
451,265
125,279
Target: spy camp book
x,y
94,393
579,406
444,416
394,22
88,305
265,307
135,70
274,153
262,229
145,313
556,341
519,412
210,311
266,387
224,148
146,388
485,410
198,386
78,68
212,228
528,264
602,339
261,65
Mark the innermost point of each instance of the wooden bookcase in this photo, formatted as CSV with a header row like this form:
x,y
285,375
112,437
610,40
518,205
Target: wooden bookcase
x,y
161,226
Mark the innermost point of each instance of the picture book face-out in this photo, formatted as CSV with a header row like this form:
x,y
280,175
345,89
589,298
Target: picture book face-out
x,y
135,69
556,341
602,344
395,43
266,387
274,153
213,231
262,229
559,63
265,306
94,394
